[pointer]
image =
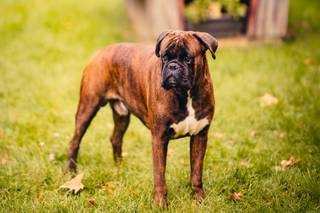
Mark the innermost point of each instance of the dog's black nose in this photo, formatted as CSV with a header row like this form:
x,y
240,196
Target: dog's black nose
x,y
173,66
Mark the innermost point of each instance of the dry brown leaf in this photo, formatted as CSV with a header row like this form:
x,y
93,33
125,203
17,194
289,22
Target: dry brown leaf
x,y
236,196
291,161
5,157
252,133
75,184
110,186
268,100
91,202
286,163
280,134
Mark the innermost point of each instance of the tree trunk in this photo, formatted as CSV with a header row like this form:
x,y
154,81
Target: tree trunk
x,y
151,17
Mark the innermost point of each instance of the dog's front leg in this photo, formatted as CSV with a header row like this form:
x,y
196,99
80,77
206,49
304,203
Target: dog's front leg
x,y
198,145
159,149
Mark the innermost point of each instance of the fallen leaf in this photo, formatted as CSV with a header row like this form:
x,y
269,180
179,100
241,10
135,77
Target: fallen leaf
x,y
110,186
292,161
268,100
236,196
91,202
252,133
5,158
75,184
280,134
286,163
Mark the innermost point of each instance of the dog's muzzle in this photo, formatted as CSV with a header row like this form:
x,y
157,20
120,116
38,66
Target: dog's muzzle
x,y
170,75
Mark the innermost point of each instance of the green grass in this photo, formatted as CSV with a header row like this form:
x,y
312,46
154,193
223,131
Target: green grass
x,y
43,47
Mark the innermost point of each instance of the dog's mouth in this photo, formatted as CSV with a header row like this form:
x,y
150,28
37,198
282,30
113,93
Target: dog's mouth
x,y
169,82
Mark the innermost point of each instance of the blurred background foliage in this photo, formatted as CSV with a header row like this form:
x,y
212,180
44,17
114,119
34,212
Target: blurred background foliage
x,y
200,10
304,17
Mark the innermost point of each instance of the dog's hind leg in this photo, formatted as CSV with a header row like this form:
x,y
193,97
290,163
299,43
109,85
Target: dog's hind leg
x,y
87,109
121,118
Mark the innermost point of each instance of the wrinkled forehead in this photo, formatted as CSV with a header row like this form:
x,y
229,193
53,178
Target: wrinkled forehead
x,y
181,42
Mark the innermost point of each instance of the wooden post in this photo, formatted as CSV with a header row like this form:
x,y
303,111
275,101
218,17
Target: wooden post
x,y
268,19
151,17
136,11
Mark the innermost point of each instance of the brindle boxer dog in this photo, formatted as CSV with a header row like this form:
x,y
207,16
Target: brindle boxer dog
x,y
169,89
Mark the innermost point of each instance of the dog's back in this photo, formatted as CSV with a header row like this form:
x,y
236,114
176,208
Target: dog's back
x,y
122,72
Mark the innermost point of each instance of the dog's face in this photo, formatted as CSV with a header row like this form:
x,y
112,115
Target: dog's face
x,y
182,56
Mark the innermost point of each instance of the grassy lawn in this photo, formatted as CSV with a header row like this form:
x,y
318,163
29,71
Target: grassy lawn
x,y
43,48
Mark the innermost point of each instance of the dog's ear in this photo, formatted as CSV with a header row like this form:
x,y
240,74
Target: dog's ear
x,y
208,41
159,40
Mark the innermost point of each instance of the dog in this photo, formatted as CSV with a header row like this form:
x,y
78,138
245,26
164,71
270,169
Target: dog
x,y
168,88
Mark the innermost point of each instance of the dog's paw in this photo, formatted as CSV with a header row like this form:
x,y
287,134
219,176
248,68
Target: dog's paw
x,y
199,196
160,201
71,167
118,160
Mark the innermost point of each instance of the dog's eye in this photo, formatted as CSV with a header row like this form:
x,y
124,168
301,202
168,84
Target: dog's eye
x,y
188,60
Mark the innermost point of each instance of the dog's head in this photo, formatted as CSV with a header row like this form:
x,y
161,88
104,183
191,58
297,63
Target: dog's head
x,y
182,55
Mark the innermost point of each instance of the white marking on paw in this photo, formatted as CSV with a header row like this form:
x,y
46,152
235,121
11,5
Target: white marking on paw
x,y
120,108
190,124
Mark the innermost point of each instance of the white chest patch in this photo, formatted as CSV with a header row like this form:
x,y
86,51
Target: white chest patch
x,y
190,124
